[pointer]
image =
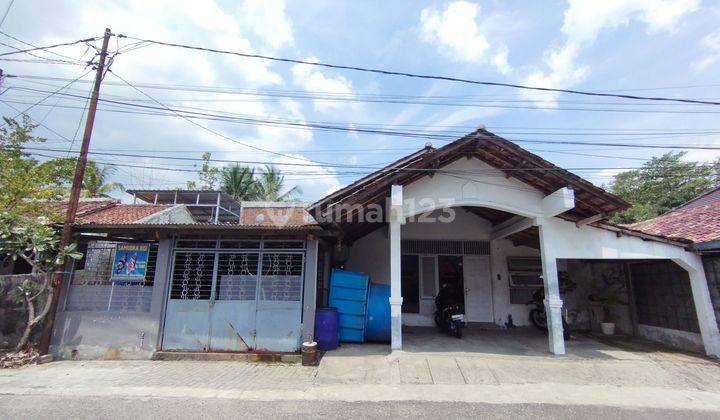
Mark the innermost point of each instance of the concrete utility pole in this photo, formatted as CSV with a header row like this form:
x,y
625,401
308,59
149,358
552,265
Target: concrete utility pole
x,y
66,237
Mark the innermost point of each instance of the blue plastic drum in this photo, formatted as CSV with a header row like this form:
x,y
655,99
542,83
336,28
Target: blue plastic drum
x,y
377,317
326,329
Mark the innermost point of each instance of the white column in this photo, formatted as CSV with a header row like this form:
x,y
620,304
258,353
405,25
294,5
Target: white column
x,y
553,303
395,220
309,290
703,305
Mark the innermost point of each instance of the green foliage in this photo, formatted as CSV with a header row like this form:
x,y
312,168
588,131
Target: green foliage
x,y
271,184
207,174
95,181
662,184
244,183
23,180
239,182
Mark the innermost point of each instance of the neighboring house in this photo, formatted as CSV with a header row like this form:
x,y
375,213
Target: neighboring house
x,y
698,223
480,214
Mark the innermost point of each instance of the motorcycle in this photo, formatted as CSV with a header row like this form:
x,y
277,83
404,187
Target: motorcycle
x,y
449,315
538,315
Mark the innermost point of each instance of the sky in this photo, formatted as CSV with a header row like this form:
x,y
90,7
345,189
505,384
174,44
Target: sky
x,y
668,48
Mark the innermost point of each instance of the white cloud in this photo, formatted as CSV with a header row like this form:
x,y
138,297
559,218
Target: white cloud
x,y
267,19
500,61
710,42
455,30
583,22
315,180
460,35
314,81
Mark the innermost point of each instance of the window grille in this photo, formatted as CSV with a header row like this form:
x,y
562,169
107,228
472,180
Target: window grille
x,y
192,275
525,278
281,278
92,289
415,246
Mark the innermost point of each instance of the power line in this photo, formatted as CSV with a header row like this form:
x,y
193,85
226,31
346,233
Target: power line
x,y
500,104
47,47
7,11
424,76
346,166
51,94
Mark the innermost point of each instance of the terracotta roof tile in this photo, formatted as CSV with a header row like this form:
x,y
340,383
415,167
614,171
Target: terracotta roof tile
x,y
85,206
253,217
699,223
121,214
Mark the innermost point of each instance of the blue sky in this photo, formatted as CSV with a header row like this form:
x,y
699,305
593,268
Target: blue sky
x,y
649,47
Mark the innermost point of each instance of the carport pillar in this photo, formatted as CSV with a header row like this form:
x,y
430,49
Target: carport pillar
x,y
703,305
553,303
395,220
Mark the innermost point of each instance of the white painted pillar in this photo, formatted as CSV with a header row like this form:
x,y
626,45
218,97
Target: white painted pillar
x,y
703,305
553,303
395,220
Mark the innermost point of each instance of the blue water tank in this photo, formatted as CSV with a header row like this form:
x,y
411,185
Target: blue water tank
x,y
377,318
348,293
326,328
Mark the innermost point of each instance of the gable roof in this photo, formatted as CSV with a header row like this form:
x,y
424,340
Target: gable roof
x,y
702,199
698,222
496,151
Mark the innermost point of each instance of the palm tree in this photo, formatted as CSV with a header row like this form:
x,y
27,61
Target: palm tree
x,y
270,185
239,182
94,183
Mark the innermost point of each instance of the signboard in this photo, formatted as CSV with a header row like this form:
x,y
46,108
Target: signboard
x,y
130,261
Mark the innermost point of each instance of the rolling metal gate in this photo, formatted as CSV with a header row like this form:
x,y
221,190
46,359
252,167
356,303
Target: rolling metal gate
x,y
235,296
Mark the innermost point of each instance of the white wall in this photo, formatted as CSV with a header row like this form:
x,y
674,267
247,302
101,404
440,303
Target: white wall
x,y
370,255
500,250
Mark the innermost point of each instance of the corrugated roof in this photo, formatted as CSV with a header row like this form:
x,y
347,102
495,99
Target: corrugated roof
x,y
137,215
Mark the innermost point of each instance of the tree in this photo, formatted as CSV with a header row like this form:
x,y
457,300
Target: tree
x,y
35,241
207,174
239,182
271,184
95,182
662,184
27,231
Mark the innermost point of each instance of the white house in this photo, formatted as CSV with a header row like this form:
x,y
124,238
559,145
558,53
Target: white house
x,y
479,214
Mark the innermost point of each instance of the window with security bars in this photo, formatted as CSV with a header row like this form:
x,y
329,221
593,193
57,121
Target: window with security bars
x,y
91,287
237,276
192,275
525,278
281,277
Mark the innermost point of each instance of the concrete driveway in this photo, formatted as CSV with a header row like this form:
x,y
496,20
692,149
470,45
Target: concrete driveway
x,y
468,371
520,356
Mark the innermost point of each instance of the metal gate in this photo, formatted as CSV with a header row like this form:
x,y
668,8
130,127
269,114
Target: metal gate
x,y
235,300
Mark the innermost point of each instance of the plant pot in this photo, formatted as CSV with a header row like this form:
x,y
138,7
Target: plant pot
x,y
607,328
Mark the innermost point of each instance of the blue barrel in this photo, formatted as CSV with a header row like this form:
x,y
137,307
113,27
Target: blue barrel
x,y
377,317
326,328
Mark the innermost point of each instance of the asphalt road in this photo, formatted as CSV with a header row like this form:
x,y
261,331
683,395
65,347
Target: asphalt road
x,y
53,407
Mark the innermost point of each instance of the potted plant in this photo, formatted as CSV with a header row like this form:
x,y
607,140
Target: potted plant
x,y
607,294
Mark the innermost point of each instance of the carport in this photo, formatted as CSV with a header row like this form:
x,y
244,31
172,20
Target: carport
x,y
489,203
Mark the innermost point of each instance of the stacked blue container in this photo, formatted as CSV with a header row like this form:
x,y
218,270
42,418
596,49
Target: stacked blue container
x,y
348,293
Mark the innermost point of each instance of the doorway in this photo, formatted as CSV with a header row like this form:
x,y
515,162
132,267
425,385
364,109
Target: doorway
x,y
450,274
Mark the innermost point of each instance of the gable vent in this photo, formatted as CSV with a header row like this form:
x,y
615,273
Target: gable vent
x,y
415,246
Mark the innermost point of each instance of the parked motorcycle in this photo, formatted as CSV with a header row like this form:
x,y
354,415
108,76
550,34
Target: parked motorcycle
x,y
449,315
538,315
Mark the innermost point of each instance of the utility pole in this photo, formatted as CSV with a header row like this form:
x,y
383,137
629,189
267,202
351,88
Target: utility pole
x,y
66,237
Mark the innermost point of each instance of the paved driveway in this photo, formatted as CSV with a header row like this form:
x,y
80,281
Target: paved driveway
x,y
593,374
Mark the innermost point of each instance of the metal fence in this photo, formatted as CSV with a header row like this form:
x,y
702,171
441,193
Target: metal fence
x,y
91,287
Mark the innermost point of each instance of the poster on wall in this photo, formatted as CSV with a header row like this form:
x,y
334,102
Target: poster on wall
x,y
130,261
